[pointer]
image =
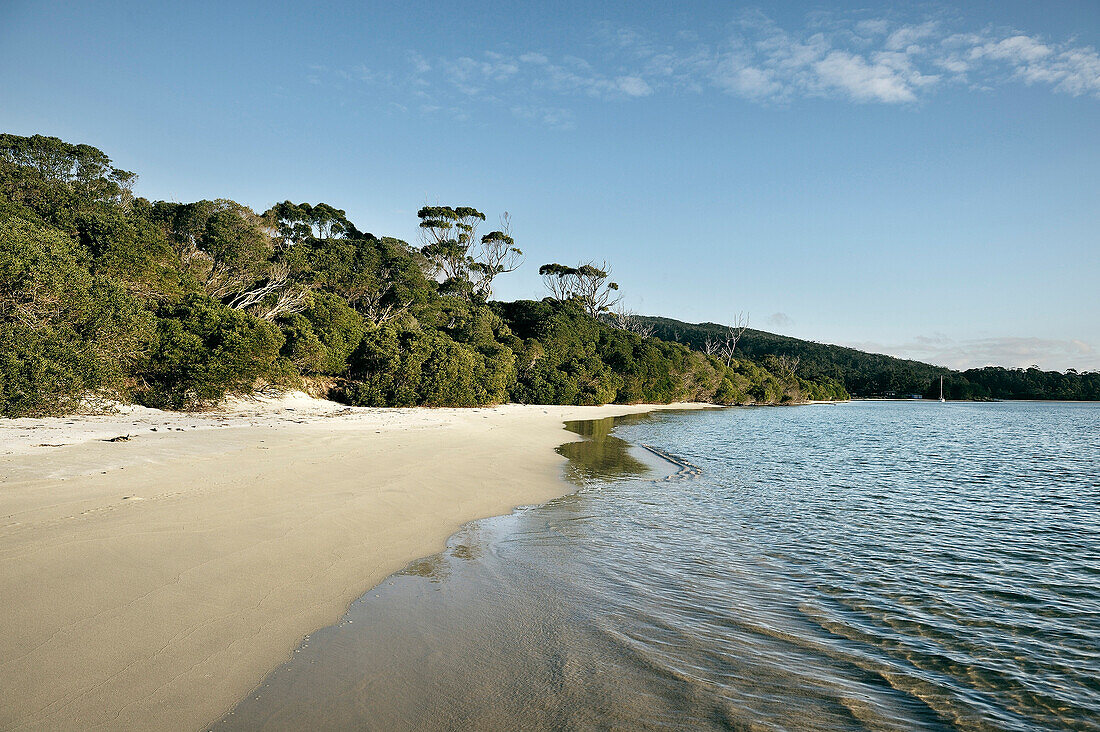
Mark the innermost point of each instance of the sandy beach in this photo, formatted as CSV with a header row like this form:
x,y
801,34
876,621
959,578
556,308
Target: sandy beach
x,y
150,582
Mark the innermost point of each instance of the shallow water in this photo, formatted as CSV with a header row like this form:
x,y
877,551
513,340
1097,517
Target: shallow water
x,y
860,566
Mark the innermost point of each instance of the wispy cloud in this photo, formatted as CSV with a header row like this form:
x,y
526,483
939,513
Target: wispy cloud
x,y
1009,351
862,60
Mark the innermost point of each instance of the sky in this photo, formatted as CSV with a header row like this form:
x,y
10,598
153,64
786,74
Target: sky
x,y
919,179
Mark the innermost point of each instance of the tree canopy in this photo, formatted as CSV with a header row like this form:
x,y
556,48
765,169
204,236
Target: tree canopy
x,y
176,305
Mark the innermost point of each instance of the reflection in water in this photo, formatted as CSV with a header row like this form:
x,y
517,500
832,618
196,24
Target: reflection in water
x,y
601,456
869,566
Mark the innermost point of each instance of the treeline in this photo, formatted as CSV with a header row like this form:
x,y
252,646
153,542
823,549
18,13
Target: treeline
x,y
995,382
862,374
877,375
175,305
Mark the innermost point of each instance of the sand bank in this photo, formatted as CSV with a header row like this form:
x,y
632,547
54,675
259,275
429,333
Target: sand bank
x,y
150,582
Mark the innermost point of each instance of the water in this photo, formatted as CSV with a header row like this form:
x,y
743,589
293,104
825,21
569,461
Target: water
x,y
860,566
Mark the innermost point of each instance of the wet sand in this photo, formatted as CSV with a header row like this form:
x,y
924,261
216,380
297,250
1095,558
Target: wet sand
x,y
151,582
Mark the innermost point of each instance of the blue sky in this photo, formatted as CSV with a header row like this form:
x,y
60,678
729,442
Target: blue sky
x,y
917,179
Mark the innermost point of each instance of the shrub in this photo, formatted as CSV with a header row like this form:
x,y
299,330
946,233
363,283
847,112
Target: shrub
x,y
204,351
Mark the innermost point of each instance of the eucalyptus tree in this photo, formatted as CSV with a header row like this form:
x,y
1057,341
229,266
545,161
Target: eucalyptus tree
x,y
498,255
468,265
42,171
588,283
228,251
447,234
292,224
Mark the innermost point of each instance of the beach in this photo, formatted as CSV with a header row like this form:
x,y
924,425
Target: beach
x,y
154,565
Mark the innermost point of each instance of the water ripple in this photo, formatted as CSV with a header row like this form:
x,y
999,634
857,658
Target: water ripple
x,y
867,566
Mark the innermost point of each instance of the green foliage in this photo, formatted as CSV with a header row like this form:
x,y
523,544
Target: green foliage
x,y
450,235
62,333
57,180
205,350
995,382
564,356
586,283
177,305
322,338
857,372
407,367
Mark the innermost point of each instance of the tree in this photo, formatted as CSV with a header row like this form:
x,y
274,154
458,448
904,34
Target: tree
x,y
292,224
587,283
558,280
783,365
62,332
205,350
46,170
449,235
498,255
729,339
228,250
628,320
176,305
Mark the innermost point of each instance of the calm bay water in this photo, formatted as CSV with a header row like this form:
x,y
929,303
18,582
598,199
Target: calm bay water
x,y
859,566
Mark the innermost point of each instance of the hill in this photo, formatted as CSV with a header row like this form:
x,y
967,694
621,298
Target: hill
x,y
878,375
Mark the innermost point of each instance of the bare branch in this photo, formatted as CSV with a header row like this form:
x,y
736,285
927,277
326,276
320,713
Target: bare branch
x,y
628,320
498,255
277,278
728,342
286,302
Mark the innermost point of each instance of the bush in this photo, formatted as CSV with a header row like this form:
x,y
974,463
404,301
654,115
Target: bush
x,y
204,351
420,367
338,328
61,332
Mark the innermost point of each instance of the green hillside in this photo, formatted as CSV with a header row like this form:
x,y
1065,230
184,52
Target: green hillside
x,y
877,375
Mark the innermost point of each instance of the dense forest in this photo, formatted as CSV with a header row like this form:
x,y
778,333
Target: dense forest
x,y
877,375
105,295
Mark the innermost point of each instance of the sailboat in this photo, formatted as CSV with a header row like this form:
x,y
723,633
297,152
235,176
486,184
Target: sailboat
x,y
941,390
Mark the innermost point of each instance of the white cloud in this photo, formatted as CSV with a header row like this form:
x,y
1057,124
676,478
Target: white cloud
x,y
861,80
1017,49
746,81
876,27
560,119
907,35
872,61
1008,351
419,63
633,86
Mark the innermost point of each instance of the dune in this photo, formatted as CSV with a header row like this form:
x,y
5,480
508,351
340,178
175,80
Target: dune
x,y
155,566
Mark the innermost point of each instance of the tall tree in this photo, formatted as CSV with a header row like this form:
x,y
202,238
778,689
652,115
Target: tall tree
x,y
447,234
468,265
498,255
728,343
588,283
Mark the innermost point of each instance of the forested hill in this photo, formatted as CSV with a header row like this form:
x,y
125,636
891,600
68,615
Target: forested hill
x,y
876,374
107,295
863,374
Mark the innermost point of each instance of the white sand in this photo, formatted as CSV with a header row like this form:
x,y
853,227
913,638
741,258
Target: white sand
x,y
151,583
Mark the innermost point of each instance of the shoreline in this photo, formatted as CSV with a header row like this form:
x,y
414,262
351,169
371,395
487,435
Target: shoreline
x,y
157,579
